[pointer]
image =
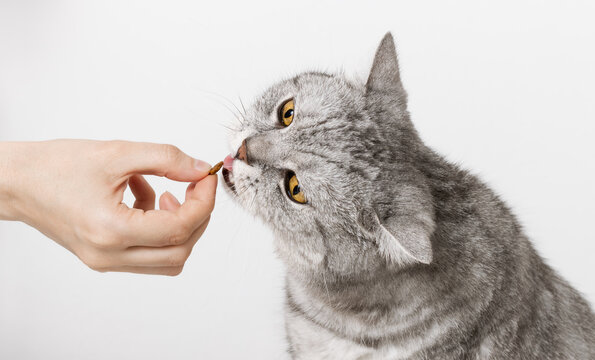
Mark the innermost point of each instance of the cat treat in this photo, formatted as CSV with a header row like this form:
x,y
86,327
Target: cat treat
x,y
216,168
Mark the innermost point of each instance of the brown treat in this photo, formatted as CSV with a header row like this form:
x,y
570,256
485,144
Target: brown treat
x,y
216,168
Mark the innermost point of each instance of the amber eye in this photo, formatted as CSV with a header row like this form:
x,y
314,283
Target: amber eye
x,y
293,188
286,113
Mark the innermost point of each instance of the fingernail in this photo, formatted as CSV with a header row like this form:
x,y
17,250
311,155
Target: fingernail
x,y
201,165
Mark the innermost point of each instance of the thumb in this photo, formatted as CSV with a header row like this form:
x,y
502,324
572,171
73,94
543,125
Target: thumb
x,y
159,159
203,191
200,200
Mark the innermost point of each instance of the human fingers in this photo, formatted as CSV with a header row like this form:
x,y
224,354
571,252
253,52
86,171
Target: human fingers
x,y
143,192
149,270
155,159
108,259
169,256
159,228
199,200
168,202
189,190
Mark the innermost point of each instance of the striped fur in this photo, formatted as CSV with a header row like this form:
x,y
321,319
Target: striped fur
x,y
398,254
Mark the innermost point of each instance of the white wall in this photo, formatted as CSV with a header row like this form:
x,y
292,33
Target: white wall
x,y
505,90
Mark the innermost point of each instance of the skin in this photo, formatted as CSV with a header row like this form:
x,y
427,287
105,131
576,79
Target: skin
x,y
72,191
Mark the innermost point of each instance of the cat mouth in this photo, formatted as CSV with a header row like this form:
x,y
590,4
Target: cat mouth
x,y
227,173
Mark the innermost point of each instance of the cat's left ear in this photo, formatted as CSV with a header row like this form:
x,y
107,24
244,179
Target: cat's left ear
x,y
385,76
401,238
405,240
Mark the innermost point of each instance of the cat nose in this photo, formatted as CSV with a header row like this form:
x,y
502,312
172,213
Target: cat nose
x,y
242,153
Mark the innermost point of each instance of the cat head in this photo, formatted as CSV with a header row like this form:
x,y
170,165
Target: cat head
x,y
329,165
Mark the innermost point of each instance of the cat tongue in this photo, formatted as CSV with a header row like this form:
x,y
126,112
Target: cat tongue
x,y
228,163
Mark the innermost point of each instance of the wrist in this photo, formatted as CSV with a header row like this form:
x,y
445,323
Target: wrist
x,y
10,152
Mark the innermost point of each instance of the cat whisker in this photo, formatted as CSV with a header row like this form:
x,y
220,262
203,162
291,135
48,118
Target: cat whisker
x,y
242,104
228,127
238,110
237,114
253,199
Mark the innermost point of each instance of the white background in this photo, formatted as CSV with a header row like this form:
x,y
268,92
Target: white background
x,y
507,90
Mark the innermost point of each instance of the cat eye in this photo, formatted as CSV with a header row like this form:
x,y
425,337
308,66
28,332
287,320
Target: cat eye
x,y
293,188
285,113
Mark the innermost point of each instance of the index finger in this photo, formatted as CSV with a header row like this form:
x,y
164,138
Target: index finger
x,y
156,159
166,227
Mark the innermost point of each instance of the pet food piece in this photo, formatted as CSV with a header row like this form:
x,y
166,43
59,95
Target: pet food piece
x,y
216,168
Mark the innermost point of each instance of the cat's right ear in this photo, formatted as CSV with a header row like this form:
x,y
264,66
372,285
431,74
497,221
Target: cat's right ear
x,y
385,76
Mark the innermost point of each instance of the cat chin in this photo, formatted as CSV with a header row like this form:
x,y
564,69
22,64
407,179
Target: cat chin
x,y
297,257
238,182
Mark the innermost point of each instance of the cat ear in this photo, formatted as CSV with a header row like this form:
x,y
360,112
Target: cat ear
x,y
405,240
401,239
385,75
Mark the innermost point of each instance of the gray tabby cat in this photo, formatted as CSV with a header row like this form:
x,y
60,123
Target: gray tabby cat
x,y
391,251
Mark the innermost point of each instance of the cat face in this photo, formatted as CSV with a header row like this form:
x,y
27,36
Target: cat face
x,y
311,159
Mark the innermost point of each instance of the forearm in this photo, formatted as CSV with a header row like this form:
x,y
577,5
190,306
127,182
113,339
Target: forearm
x,y
10,156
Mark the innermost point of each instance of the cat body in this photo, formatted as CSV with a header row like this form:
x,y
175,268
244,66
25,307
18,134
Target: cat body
x,y
486,295
391,251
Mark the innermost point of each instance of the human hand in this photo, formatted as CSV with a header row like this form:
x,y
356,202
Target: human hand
x,y
72,191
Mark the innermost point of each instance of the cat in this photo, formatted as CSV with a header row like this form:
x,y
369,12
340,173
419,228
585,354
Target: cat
x,y
391,251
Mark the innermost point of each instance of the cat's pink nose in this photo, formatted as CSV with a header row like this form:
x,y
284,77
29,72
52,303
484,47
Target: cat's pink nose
x,y
242,153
